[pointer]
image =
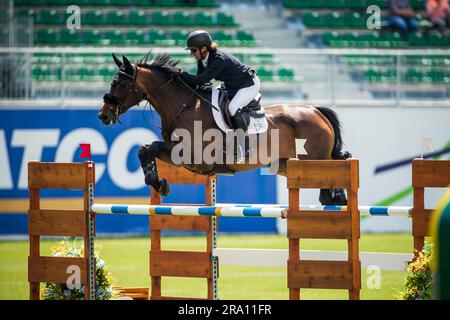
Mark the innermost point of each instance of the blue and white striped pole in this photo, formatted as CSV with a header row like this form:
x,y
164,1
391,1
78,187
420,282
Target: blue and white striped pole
x,y
238,210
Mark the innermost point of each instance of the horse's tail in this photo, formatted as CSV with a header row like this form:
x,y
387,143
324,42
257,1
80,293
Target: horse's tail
x,y
337,152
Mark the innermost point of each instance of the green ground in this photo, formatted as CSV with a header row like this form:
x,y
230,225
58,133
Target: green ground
x,y
128,261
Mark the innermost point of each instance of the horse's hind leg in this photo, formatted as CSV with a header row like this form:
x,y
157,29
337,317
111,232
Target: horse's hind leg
x,y
147,155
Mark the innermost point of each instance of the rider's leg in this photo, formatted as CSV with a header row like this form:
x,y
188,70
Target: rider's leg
x,y
242,98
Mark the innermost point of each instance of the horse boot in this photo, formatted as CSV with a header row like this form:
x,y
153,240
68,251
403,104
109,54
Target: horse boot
x,y
148,166
150,171
242,151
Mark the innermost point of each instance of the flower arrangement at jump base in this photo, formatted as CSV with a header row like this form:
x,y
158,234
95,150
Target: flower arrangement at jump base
x,y
418,284
60,291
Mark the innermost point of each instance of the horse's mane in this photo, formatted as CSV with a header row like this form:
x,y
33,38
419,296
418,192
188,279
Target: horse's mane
x,y
162,61
165,63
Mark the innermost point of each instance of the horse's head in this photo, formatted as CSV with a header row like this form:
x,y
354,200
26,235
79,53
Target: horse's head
x,y
123,93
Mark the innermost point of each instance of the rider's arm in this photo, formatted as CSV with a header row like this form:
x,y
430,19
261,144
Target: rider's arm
x,y
210,73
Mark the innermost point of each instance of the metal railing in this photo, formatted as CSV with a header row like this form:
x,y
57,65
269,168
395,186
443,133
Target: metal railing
x,y
317,76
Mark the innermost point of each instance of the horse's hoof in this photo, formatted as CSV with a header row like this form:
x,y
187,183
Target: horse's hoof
x,y
164,189
339,198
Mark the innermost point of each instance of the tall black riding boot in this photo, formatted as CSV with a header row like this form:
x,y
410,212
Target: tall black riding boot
x,y
242,151
239,121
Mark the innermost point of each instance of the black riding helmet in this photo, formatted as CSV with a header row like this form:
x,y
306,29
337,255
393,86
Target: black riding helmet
x,y
198,39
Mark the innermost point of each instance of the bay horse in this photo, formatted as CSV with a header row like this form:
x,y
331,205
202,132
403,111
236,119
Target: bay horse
x,y
179,106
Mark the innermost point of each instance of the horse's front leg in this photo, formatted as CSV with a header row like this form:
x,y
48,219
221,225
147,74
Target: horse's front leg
x,y
147,156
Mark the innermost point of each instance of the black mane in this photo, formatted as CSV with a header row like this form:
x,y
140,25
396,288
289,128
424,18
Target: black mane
x,y
162,61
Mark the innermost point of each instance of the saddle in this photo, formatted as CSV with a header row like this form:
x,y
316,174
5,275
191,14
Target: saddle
x,y
252,110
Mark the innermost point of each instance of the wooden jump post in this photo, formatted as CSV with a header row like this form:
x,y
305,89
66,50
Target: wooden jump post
x,y
61,222
303,174
426,174
172,263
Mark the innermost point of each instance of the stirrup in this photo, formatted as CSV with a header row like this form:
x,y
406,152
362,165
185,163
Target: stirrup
x,y
241,156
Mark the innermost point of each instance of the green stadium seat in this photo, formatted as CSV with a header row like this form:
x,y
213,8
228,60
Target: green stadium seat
x,y
157,36
138,18
390,76
244,35
107,73
51,2
286,74
314,3
143,3
46,72
47,36
72,73
373,39
312,19
117,17
50,17
203,19
418,4
266,58
114,37
354,20
383,4
182,18
206,3
223,36
26,12
373,75
395,39
354,4
225,19
294,4
89,73
355,39
28,2
416,39
179,36
161,18
413,76
93,18
70,37
329,38
245,38
437,39
332,4
92,37
98,3
120,3
265,74
333,19
136,37
166,3
436,76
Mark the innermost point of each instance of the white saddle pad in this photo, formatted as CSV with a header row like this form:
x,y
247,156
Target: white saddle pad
x,y
257,125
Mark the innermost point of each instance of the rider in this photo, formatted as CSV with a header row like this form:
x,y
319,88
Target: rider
x,y
240,80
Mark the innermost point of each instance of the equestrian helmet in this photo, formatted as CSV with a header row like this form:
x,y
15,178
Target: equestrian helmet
x,y
198,39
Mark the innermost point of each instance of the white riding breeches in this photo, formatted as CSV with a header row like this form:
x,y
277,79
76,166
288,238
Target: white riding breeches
x,y
244,96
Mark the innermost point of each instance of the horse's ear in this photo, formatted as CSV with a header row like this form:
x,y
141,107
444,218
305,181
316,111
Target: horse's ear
x,y
117,61
128,67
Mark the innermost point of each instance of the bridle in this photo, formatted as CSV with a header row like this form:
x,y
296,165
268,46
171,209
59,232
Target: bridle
x,y
117,103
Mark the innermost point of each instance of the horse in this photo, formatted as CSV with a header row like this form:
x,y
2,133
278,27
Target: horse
x,y
180,106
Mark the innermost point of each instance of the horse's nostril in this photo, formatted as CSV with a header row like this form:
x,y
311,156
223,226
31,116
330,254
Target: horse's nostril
x,y
102,116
